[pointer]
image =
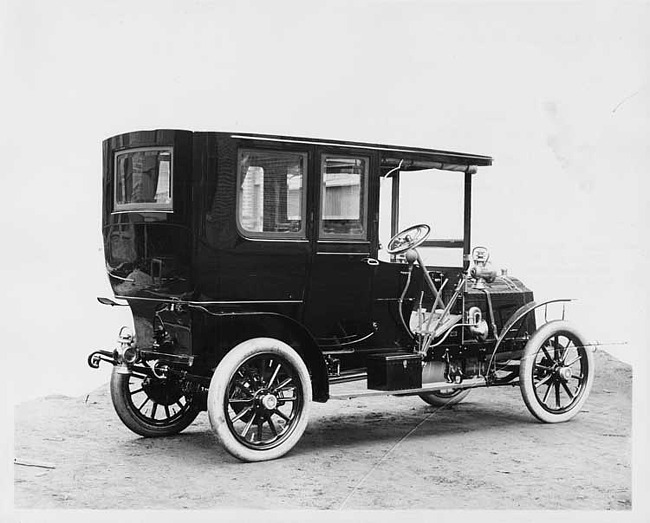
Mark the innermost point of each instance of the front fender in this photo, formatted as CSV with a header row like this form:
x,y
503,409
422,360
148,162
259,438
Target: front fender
x,y
522,312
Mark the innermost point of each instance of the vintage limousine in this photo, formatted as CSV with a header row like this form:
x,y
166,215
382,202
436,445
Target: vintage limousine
x,y
264,273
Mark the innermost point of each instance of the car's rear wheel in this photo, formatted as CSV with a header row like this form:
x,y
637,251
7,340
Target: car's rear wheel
x,y
151,406
259,399
445,397
556,372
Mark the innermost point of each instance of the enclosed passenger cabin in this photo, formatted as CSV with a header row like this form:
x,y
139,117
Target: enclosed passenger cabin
x,y
214,237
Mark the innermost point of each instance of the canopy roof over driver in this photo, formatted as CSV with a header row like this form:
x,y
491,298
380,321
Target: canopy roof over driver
x,y
394,157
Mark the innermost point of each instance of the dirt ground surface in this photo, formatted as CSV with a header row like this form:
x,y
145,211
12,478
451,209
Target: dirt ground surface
x,y
367,453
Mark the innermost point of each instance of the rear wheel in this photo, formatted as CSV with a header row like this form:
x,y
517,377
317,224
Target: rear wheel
x,y
150,406
556,372
445,397
259,399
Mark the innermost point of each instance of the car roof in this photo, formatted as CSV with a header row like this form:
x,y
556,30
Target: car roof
x,y
405,158
393,158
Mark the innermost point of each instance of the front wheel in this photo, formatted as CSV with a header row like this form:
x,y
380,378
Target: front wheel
x,y
445,397
556,372
150,406
259,399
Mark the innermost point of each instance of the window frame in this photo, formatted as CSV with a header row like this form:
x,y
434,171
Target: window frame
x,y
364,187
144,206
300,235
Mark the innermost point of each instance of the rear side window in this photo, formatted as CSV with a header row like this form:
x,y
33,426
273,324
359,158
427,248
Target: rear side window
x,y
143,180
271,195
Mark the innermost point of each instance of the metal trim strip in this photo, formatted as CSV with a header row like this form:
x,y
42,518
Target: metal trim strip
x,y
220,302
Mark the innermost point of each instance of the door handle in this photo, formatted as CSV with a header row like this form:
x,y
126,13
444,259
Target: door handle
x,y
370,261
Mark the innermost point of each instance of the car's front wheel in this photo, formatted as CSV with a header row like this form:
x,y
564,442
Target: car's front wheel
x,y
556,372
259,399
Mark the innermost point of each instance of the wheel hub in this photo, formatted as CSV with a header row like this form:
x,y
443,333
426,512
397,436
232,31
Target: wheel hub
x,y
269,401
565,373
163,392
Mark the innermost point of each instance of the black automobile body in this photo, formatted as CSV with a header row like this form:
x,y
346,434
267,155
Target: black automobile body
x,y
257,281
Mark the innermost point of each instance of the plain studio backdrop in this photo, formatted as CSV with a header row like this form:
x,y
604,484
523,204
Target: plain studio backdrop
x,y
556,92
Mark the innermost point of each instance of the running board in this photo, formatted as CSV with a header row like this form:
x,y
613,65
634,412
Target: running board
x,y
347,378
467,384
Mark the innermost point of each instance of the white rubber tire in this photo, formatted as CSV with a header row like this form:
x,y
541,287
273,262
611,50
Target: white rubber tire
x,y
221,378
527,369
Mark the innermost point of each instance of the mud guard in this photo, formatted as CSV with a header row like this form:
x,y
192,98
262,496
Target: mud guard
x,y
522,312
276,325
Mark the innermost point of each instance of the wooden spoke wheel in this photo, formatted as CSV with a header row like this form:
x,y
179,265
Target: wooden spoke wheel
x,y
150,406
556,372
259,399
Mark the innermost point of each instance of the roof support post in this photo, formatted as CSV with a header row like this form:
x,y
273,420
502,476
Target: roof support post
x,y
467,217
394,209
394,213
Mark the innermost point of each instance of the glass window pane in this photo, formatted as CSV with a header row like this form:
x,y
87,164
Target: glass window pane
x,y
344,197
143,180
271,198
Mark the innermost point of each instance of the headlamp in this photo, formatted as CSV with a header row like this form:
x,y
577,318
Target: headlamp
x,y
480,256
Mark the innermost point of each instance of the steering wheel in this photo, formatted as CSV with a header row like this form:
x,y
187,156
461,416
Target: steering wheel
x,y
408,238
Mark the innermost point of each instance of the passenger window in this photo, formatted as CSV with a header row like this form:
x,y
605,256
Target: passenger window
x,y
344,197
143,180
271,196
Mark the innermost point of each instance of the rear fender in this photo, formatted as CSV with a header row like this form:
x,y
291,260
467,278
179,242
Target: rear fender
x,y
234,327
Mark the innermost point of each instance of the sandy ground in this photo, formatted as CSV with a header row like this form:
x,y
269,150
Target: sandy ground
x,y
374,453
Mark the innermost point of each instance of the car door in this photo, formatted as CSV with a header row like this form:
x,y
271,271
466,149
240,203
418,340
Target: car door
x,y
339,292
258,227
